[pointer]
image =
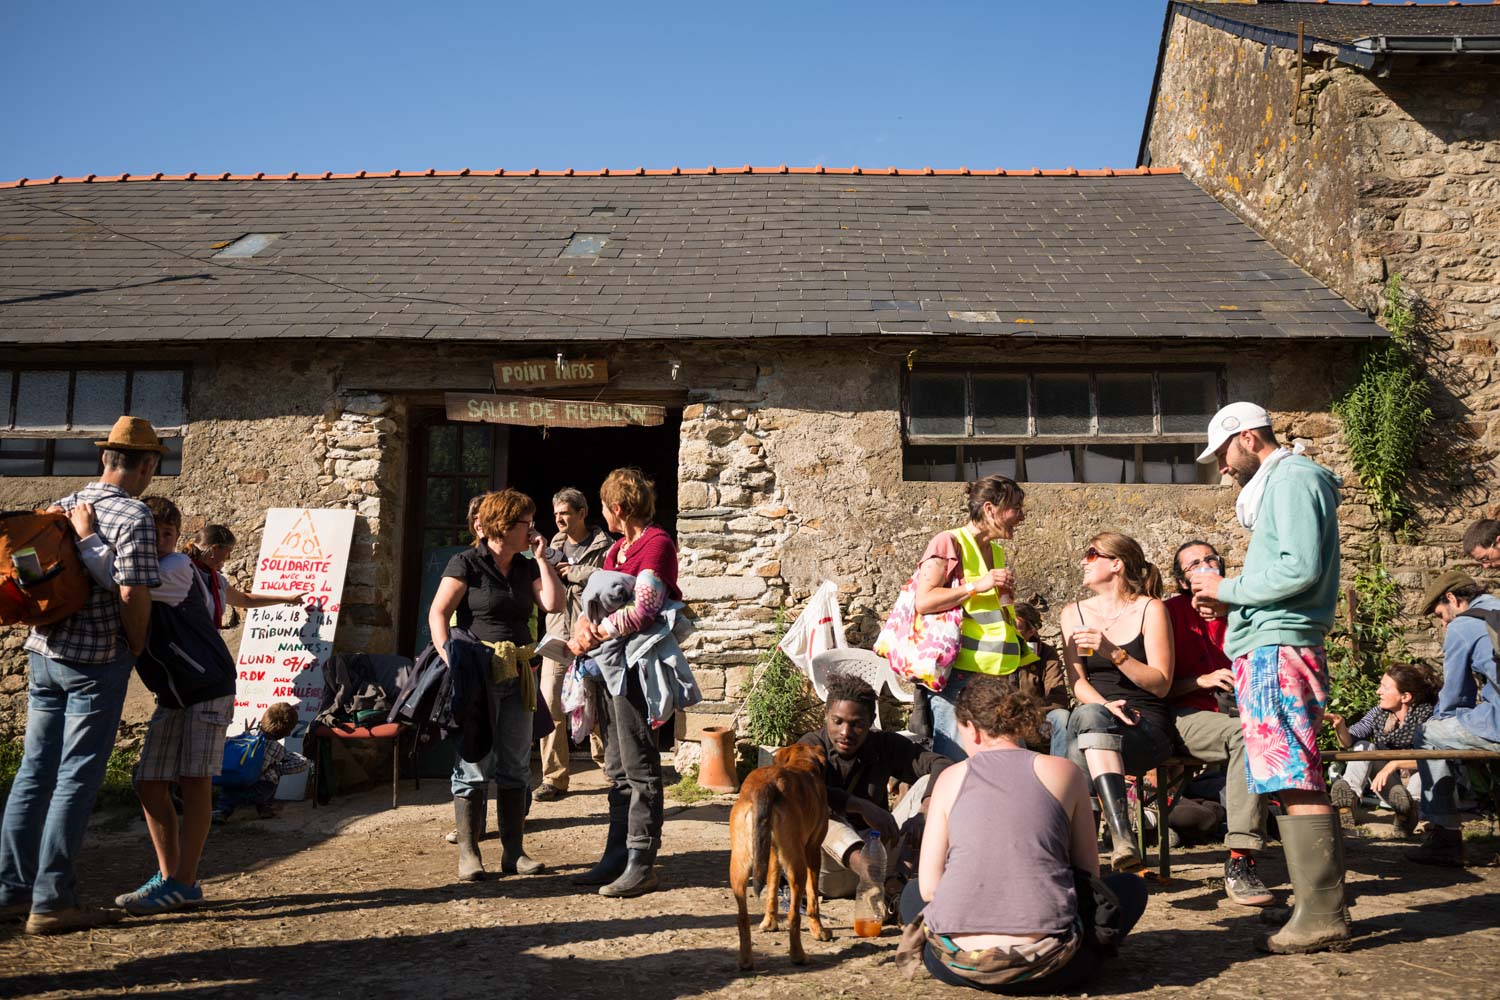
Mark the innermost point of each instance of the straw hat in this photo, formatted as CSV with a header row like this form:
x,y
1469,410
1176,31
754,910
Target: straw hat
x,y
132,434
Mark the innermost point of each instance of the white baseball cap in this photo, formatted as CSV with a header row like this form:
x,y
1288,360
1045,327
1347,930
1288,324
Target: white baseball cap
x,y
1231,420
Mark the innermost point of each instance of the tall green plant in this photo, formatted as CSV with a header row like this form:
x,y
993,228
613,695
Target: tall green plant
x,y
1361,652
1385,414
780,706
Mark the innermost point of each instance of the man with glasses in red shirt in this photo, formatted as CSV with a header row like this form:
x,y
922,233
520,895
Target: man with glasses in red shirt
x,y
1203,680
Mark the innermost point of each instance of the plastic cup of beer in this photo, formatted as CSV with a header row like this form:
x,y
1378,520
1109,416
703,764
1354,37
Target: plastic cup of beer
x,y
1085,648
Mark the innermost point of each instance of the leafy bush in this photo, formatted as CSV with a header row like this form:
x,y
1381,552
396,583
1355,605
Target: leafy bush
x,y
1359,654
117,792
1385,414
781,705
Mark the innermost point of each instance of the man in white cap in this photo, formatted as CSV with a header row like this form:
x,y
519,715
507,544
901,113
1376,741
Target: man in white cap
x,y
1281,607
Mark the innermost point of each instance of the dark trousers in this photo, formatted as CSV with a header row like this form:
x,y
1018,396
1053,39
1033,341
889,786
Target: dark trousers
x,y
632,763
260,795
1131,891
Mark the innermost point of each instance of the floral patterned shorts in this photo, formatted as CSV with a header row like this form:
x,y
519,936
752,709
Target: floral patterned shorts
x,y
1282,693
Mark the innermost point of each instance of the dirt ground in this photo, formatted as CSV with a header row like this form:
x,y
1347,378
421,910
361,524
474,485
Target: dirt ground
x,y
359,900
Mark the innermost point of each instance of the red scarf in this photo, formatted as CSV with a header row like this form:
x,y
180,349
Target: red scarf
x,y
211,577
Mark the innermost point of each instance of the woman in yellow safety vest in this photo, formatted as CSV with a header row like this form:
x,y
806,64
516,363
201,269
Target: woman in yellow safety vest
x,y
966,567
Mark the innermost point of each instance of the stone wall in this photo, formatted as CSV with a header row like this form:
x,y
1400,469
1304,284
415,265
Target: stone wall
x,y
789,469
1365,177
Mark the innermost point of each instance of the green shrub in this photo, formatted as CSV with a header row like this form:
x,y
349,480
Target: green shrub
x,y
1385,415
687,790
1359,653
117,792
780,705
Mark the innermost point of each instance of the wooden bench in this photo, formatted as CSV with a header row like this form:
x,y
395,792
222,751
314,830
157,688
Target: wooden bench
x,y
1160,794
1488,758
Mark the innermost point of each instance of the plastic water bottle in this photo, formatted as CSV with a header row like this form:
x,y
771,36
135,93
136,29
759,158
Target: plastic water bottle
x,y
870,898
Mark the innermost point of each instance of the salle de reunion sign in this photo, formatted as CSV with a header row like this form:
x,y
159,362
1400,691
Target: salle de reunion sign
x,y
532,411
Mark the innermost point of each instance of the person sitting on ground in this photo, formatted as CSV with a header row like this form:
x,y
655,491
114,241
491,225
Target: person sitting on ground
x,y
183,745
275,725
210,549
1008,833
1476,728
1121,720
1045,679
861,763
1404,706
1201,675
1482,543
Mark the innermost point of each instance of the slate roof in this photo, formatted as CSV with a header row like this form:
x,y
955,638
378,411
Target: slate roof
x,y
690,254
1349,24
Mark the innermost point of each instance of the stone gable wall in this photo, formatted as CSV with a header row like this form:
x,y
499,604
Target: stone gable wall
x,y
1365,177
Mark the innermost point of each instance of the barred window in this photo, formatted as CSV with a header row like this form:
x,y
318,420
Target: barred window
x,y
51,417
1115,424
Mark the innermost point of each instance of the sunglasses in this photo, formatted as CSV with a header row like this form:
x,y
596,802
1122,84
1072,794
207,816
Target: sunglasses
x,y
1091,553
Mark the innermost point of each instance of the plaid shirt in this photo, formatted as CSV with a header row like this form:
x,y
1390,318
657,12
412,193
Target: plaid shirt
x,y
279,760
95,633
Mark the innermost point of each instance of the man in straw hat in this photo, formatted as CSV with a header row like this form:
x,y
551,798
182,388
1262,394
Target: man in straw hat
x,y
1466,717
1281,607
79,670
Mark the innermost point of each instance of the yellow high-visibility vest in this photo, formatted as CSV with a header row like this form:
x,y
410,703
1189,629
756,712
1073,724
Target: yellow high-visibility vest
x,y
988,641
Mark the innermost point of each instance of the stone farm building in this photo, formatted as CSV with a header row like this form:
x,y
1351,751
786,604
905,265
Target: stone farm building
x,y
833,351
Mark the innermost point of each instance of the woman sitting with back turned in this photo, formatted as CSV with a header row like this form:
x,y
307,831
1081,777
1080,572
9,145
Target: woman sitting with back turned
x,y
1118,647
1006,830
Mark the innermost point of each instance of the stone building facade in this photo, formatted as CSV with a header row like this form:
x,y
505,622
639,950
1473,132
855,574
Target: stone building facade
x,y
1360,167
788,322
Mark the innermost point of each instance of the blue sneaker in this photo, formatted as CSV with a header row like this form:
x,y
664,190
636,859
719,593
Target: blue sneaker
x,y
170,895
126,899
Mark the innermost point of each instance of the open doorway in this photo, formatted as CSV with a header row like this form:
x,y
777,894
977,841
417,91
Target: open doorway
x,y
540,465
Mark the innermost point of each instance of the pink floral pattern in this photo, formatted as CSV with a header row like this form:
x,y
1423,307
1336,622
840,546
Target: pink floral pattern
x,y
920,648
1282,693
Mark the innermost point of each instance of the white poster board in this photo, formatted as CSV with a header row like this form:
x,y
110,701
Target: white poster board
x,y
283,647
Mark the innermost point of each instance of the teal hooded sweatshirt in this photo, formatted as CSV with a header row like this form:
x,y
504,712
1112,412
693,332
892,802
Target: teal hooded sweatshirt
x,y
1289,588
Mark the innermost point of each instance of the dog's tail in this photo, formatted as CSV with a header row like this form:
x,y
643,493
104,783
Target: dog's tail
x,y
760,858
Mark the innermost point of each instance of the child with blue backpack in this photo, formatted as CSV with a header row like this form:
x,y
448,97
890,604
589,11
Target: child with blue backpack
x,y
265,760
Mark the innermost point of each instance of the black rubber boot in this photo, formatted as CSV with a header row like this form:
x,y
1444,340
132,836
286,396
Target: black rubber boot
x,y
511,805
612,864
638,878
1123,856
468,816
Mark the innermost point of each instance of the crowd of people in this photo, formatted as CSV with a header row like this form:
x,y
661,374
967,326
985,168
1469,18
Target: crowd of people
x,y
1025,736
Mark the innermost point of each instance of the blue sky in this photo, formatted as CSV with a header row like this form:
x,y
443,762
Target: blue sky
x,y
107,88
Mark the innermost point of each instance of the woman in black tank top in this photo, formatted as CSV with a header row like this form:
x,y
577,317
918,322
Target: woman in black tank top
x,y
1121,721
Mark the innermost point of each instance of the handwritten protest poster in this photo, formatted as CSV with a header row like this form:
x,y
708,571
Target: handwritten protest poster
x,y
283,647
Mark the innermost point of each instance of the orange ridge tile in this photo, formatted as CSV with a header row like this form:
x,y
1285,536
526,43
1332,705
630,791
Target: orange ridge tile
x,y
710,170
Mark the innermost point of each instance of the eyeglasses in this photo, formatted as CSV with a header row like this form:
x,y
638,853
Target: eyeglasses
x,y
1091,553
1216,560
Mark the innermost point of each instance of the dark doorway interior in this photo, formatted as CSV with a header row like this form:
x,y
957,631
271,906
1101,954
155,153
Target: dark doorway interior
x,y
540,466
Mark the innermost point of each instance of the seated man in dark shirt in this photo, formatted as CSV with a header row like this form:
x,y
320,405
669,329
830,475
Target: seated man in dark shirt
x,y
861,763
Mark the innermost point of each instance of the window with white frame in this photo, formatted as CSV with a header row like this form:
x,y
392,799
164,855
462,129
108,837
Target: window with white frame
x,y
1099,424
51,417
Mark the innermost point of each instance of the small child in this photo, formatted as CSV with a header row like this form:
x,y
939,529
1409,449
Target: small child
x,y
1406,696
276,725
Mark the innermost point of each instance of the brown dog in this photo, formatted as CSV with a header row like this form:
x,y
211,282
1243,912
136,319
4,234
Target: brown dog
x,y
778,826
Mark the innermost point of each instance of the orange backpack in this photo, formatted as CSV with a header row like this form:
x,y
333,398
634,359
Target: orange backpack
x,y
42,578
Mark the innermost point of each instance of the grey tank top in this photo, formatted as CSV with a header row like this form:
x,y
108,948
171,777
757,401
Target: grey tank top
x,y
1009,868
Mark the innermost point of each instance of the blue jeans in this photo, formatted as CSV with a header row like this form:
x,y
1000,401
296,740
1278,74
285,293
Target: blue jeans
x,y
509,763
1094,727
1057,718
72,715
944,722
1437,775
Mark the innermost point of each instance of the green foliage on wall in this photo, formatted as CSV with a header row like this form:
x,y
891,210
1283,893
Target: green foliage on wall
x,y
1359,653
780,706
1385,413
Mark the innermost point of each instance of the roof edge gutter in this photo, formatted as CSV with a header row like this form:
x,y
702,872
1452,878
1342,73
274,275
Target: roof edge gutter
x,y
1348,54
1428,44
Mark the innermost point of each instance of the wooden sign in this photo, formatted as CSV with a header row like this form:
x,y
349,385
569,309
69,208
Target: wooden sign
x,y
532,411
546,373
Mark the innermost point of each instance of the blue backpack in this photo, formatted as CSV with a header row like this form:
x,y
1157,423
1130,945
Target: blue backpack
x,y
244,758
